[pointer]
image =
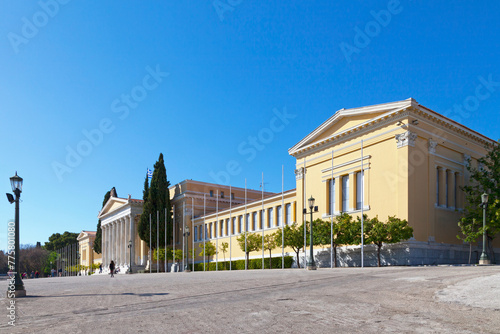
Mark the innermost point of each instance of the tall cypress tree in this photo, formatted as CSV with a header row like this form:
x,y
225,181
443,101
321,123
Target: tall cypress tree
x,y
98,236
157,200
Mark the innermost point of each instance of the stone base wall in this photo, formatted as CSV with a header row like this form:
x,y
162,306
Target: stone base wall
x,y
408,253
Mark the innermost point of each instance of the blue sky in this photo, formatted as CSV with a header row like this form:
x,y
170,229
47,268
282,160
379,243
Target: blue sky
x,y
198,80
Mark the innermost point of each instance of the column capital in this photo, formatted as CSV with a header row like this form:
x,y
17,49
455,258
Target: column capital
x,y
432,146
406,138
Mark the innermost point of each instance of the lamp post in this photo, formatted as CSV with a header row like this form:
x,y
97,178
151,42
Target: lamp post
x,y
17,187
186,235
483,260
129,271
311,265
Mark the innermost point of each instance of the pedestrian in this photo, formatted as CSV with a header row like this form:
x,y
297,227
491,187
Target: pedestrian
x,y
100,268
37,274
60,272
112,268
32,274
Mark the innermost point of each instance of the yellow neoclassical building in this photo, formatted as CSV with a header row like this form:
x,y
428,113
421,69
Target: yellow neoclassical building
x,y
86,251
398,158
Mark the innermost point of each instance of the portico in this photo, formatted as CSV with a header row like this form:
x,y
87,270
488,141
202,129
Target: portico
x,y
119,218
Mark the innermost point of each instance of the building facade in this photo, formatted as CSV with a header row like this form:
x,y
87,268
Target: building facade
x,y
86,250
395,159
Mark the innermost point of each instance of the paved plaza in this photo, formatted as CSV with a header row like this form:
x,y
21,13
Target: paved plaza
x,y
442,299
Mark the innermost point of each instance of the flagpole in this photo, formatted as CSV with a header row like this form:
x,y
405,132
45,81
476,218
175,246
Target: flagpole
x,y
203,229
246,223
157,240
304,215
173,238
150,257
192,227
216,228
362,205
231,231
165,249
332,184
183,235
283,212
262,218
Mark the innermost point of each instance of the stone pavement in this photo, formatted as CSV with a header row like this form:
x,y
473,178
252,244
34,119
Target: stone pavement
x,y
442,299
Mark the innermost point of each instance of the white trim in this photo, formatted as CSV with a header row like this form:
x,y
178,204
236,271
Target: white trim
x,y
345,164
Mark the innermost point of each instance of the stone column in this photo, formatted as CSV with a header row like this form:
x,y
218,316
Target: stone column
x,y
121,243
132,237
113,241
104,246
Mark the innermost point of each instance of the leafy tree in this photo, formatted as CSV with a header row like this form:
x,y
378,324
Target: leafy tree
x,y
253,244
346,231
98,235
58,241
294,238
32,258
208,251
269,244
157,200
223,248
395,230
484,178
469,232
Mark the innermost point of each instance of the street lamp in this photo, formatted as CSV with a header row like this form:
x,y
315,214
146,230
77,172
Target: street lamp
x,y
311,265
484,256
186,235
17,187
130,258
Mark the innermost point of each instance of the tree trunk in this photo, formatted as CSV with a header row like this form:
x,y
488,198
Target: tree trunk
x,y
378,253
335,255
470,250
298,260
270,262
246,262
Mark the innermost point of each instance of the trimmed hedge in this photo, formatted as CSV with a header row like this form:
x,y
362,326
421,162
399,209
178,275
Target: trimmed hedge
x,y
240,264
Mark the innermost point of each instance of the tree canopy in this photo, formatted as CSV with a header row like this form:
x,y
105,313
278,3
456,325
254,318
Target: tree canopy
x,y
156,199
293,238
253,244
98,235
484,178
57,240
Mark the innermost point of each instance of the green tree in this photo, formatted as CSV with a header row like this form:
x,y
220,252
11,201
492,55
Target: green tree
x,y
294,238
223,248
470,232
208,251
269,244
253,244
157,200
395,230
57,241
484,178
98,235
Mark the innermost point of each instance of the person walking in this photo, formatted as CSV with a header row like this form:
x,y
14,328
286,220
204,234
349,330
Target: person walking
x,y
112,268
100,268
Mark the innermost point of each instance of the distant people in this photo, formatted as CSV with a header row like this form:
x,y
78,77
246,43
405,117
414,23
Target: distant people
x,y
100,268
60,272
37,274
52,272
32,274
112,268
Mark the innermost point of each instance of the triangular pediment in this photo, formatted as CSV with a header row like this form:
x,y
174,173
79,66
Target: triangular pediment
x,y
347,121
113,204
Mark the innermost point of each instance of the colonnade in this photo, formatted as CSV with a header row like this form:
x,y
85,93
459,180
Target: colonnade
x,y
115,239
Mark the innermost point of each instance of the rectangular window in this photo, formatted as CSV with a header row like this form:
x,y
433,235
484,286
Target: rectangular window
x,y
270,217
454,190
211,193
262,220
447,187
215,229
233,231
222,196
240,223
232,197
206,231
221,223
247,222
288,214
280,215
437,187
359,190
200,231
331,195
254,223
210,231
345,193
227,226
196,233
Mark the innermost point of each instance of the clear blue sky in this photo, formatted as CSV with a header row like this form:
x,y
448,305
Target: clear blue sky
x,y
83,66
